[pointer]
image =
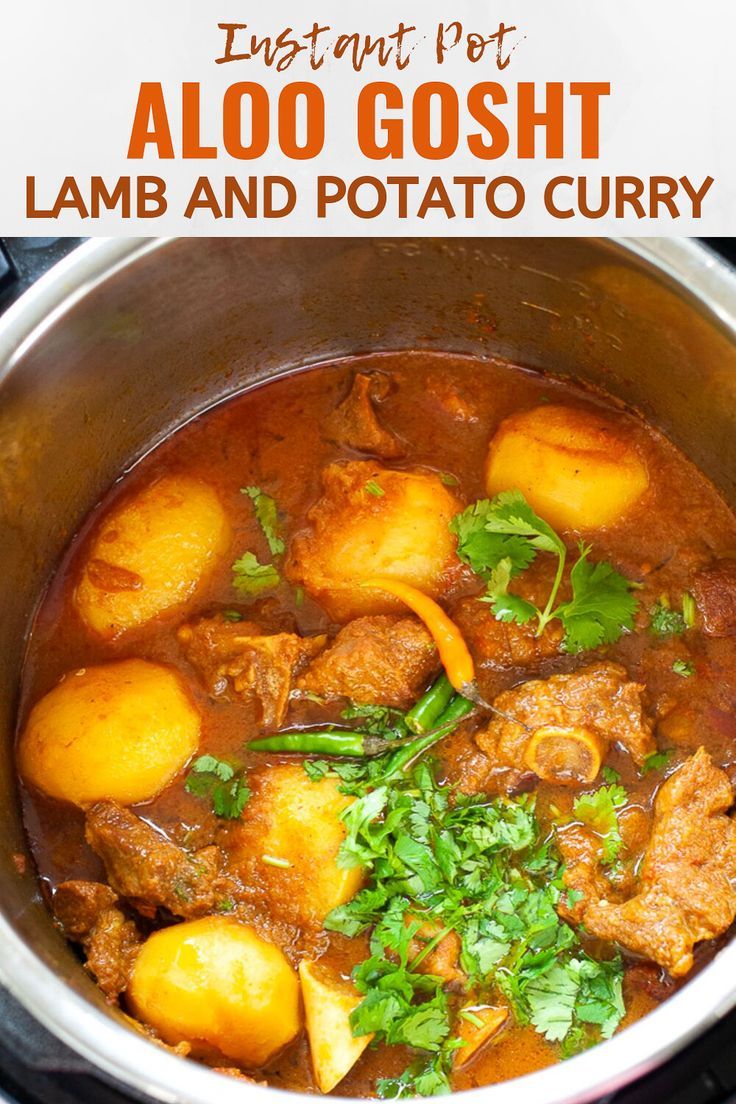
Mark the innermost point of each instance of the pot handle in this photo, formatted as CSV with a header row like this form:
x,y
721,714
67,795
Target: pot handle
x,y
24,260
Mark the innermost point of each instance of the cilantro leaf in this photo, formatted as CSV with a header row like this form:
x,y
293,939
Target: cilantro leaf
x,y
374,488
551,998
217,780
510,607
683,668
484,549
657,760
601,608
268,517
511,514
599,811
251,577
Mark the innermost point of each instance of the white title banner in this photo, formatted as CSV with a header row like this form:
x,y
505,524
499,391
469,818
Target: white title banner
x,y
235,117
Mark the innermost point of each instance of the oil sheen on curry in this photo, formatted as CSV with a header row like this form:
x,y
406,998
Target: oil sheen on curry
x,y
377,730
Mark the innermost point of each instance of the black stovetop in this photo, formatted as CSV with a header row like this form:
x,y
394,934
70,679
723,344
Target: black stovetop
x,y
35,1068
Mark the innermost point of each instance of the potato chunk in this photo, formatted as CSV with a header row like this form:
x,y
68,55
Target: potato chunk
x,y
577,469
121,731
373,521
150,554
215,984
478,1025
287,843
328,1002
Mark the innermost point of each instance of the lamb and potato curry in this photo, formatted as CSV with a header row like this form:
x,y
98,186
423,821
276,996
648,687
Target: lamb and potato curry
x,y
377,732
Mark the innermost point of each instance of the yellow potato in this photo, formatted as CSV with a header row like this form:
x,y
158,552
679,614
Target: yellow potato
x,y
577,469
480,1024
373,521
121,731
216,984
287,843
150,554
328,1002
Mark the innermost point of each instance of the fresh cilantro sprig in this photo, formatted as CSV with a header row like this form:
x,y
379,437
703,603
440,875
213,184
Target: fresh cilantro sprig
x,y
251,577
484,870
217,780
268,517
500,537
378,720
599,811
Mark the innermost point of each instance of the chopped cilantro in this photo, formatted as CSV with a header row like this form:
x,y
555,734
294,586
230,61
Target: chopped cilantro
x,y
449,479
378,720
227,904
664,621
373,488
599,811
683,668
483,869
268,517
610,774
657,761
232,615
688,610
221,783
251,577
499,538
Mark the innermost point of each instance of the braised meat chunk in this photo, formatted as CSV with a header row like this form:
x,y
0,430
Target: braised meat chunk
x,y
583,877
687,891
375,661
89,913
241,659
112,949
148,869
504,645
714,590
355,424
78,905
561,727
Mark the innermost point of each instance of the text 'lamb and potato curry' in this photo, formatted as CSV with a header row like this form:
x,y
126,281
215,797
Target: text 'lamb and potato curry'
x,y
378,730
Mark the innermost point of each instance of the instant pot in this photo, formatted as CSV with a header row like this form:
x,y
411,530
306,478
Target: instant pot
x,y
120,341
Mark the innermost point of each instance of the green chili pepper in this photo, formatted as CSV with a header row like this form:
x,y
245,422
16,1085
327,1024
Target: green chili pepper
x,y
458,708
322,742
423,715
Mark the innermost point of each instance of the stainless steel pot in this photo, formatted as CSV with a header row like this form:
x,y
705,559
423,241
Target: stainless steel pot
x,y
124,340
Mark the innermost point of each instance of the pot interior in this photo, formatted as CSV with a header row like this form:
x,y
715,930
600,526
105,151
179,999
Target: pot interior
x,y
192,321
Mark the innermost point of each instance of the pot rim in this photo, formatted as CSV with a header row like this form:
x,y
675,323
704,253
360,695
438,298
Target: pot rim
x,y
140,1064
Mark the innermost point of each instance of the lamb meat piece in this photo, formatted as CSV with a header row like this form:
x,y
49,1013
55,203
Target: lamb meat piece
x,y
78,905
146,868
355,424
501,645
112,948
582,853
89,914
238,657
375,661
714,590
598,699
687,890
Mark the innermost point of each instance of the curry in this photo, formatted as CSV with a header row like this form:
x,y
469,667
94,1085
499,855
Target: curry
x,y
376,732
